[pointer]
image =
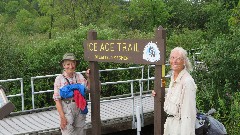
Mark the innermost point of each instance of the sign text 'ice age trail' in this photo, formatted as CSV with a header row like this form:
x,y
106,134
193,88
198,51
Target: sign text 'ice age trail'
x,y
124,51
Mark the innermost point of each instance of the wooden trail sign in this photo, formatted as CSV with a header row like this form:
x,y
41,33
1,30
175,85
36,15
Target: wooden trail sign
x,y
142,51
125,51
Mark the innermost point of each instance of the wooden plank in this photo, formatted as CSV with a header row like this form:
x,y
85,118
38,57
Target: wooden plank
x,y
31,128
35,122
103,111
40,122
31,122
46,120
27,124
54,114
53,119
15,125
148,104
116,111
4,131
111,113
7,129
125,106
1,132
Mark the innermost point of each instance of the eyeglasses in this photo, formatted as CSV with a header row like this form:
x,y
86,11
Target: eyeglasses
x,y
176,58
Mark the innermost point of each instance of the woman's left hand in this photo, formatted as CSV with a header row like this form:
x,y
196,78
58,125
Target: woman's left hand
x,y
87,73
63,122
153,93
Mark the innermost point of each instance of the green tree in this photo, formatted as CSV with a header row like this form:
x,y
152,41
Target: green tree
x,y
47,8
219,84
2,6
25,21
146,15
42,24
188,39
217,18
186,14
12,7
234,19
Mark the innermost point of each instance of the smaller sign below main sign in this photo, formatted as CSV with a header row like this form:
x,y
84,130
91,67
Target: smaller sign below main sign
x,y
124,51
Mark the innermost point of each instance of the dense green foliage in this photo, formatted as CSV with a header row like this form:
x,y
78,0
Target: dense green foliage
x,y
34,34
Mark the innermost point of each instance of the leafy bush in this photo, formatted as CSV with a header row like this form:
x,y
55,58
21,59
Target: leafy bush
x,y
218,87
41,57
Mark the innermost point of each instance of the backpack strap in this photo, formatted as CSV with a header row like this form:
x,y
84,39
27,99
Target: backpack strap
x,y
68,80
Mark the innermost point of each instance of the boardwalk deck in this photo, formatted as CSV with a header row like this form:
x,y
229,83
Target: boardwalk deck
x,y
116,115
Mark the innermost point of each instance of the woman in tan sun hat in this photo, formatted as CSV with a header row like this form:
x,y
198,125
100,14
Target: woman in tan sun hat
x,y
72,121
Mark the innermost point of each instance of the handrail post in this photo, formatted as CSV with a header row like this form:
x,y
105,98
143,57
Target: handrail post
x,y
141,105
22,94
32,86
133,116
148,71
138,115
142,74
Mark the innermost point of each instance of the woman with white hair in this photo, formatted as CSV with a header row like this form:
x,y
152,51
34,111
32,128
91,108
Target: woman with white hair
x,y
180,100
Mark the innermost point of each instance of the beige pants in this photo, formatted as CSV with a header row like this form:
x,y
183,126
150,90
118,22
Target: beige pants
x,y
76,121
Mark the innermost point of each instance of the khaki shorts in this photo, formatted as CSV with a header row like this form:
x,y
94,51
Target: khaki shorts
x,y
76,121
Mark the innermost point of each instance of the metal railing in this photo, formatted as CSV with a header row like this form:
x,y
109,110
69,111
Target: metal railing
x,y
131,82
139,109
136,118
50,76
39,92
152,77
21,94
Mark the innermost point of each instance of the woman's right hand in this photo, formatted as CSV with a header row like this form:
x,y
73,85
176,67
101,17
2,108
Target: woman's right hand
x,y
63,122
153,93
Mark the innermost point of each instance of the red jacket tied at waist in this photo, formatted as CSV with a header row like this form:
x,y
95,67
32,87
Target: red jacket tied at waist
x,y
79,100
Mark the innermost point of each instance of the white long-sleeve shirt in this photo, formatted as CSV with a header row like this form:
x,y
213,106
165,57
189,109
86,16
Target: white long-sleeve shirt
x,y
180,101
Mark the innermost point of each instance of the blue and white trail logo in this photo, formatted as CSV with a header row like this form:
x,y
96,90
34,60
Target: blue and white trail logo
x,y
151,52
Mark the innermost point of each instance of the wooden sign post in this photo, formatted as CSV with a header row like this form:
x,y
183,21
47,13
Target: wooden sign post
x,y
159,88
141,51
94,90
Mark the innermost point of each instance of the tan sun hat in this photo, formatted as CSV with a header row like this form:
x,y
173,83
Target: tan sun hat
x,y
69,56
